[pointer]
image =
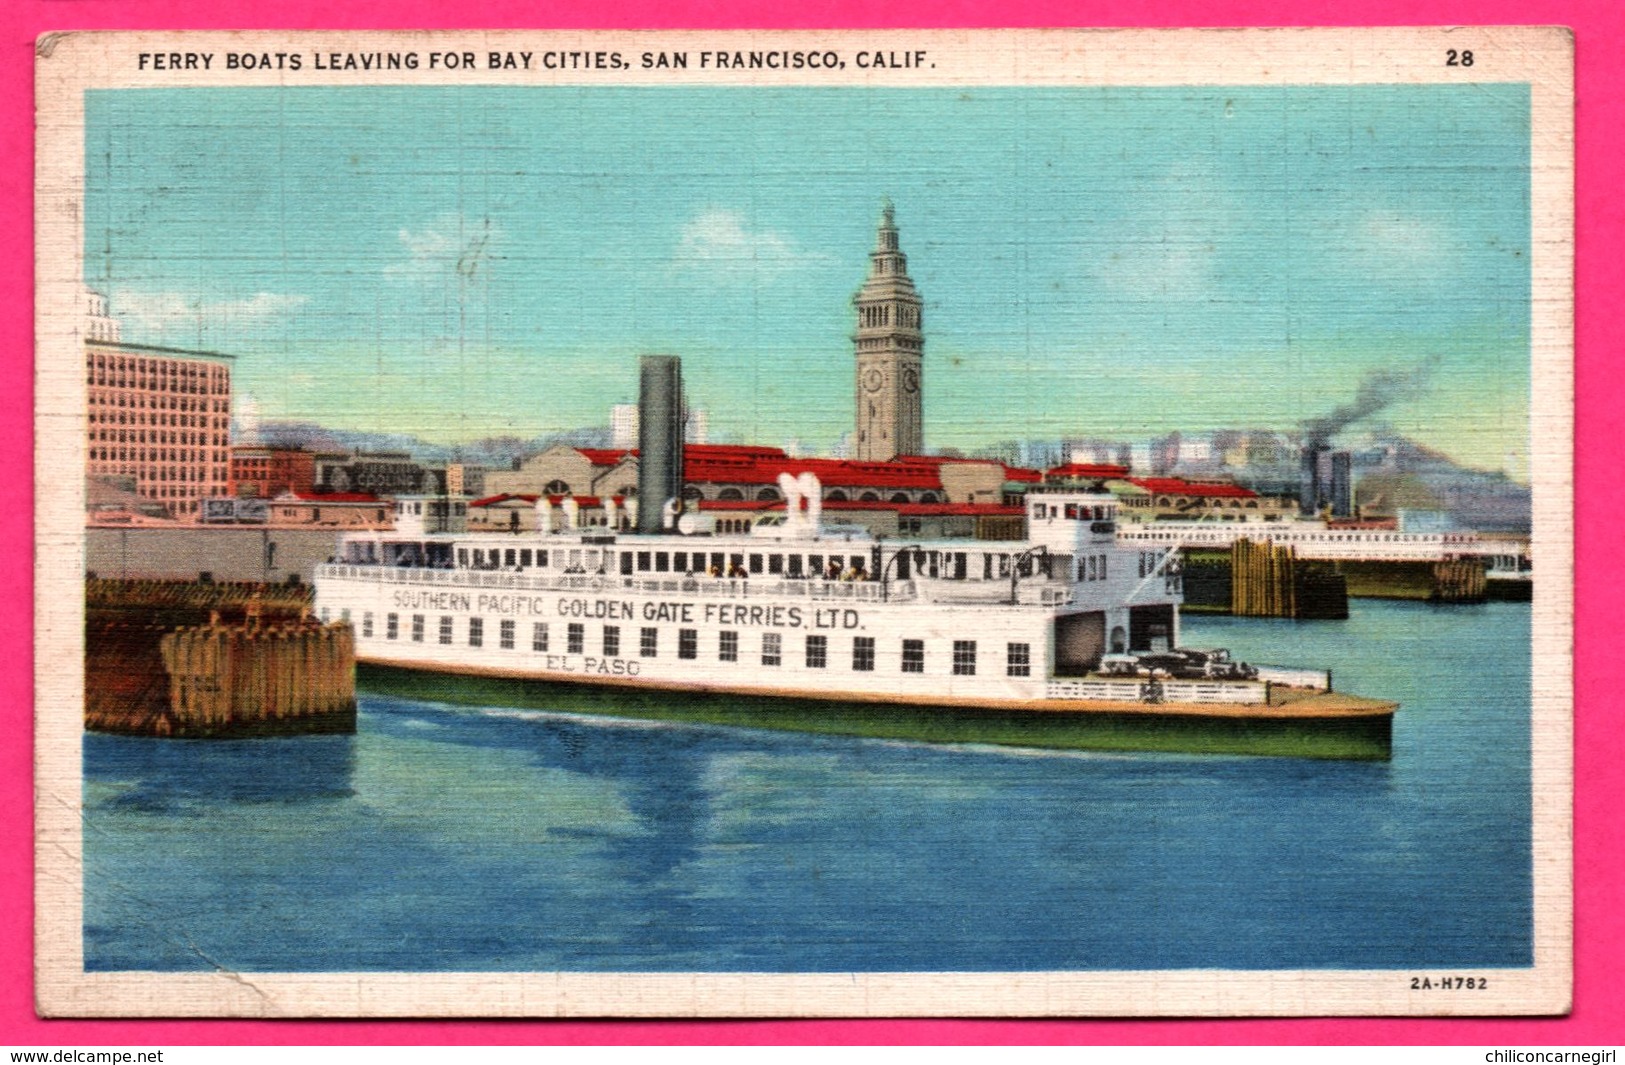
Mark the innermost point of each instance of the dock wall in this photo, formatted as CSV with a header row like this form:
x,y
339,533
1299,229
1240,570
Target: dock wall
x,y
226,553
1260,581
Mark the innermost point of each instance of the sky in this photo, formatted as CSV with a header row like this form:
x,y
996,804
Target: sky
x,y
477,261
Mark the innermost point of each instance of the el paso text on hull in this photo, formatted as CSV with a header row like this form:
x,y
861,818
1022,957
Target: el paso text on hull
x,y
1065,639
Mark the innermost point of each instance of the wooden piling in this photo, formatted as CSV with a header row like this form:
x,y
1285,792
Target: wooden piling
x,y
1270,581
213,660
1460,580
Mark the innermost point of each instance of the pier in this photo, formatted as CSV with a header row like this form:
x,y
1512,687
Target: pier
x,y
1263,580
198,659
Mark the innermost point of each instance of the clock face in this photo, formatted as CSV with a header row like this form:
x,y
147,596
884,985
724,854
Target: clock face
x,y
911,380
873,379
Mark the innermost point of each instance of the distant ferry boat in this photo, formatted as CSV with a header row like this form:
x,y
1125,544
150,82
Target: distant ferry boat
x,y
1322,540
1067,639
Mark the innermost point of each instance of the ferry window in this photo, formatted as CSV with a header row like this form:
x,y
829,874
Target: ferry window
x,y
716,564
366,624
476,632
1102,567
815,564
510,557
662,562
728,645
541,558
417,628
913,656
775,563
964,658
538,636
392,626
795,566
344,615
479,558
524,557
863,653
612,640
643,562
679,562
626,563
756,563
650,640
959,565
505,636
688,643
462,557
1018,660
445,629
817,651
772,648
575,638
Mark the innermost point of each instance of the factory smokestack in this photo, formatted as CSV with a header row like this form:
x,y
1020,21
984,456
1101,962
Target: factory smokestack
x,y
660,438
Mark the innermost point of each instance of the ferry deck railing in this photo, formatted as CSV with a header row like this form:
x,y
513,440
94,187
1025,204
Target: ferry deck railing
x,y
811,588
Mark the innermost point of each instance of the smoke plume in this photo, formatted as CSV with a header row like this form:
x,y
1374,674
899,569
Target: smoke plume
x,y
1378,390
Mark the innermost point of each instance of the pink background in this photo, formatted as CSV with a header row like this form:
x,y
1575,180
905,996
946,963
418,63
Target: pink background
x,y
1599,27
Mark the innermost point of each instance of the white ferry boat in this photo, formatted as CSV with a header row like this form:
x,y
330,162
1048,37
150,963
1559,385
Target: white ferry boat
x,y
799,625
1317,539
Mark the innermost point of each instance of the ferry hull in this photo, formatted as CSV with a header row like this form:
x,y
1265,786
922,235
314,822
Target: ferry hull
x,y
1363,736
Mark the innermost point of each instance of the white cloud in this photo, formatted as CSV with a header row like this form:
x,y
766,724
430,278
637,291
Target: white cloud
x,y
450,243
719,239
1169,246
167,309
1401,242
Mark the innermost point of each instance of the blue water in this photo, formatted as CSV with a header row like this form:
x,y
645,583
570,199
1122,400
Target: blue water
x,y
464,839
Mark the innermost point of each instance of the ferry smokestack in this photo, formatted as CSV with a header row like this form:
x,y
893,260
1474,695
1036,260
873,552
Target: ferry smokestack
x,y
660,437
1342,489
1312,487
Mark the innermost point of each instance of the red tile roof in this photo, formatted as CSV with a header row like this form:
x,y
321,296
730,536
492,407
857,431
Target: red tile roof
x,y
751,464
1104,471
1177,486
604,456
330,497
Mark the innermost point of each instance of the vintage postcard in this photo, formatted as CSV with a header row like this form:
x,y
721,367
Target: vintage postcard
x,y
1041,523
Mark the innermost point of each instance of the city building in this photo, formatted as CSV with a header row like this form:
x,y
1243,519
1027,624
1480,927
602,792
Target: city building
x,y
380,473
343,510
1173,498
890,346
623,426
737,472
158,416
260,472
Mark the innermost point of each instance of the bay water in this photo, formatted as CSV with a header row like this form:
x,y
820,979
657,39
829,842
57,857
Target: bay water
x,y
492,838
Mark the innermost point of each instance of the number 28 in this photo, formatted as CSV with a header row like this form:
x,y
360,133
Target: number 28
x,y
1453,58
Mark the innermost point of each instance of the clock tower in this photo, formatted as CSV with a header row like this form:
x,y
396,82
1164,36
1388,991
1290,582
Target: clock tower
x,y
889,345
